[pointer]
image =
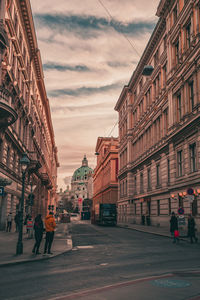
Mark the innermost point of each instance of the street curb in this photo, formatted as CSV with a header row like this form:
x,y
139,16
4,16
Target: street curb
x,y
150,232
46,257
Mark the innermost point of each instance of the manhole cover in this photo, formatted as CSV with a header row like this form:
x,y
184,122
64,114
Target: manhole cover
x,y
171,283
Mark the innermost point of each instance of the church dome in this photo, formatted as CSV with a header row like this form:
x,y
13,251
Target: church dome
x,y
82,172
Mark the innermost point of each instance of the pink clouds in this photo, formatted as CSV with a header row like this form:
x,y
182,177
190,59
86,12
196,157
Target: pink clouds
x,y
87,63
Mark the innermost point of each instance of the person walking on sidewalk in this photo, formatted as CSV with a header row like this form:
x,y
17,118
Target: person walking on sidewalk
x,y
38,228
191,229
174,227
50,226
9,222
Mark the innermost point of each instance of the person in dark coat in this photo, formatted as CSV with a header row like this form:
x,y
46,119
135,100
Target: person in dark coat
x,y
38,228
173,226
191,229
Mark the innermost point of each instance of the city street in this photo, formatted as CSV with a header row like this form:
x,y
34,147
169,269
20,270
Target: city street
x,y
109,263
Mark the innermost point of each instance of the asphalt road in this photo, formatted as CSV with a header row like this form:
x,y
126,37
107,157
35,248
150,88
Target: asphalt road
x,y
109,263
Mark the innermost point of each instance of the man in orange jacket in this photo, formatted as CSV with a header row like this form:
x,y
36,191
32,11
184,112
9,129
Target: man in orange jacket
x,y
50,226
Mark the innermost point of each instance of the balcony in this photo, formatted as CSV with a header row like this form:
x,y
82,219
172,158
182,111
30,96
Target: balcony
x,y
34,162
7,114
45,178
5,181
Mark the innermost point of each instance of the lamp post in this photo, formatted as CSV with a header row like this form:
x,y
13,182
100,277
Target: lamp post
x,y
24,162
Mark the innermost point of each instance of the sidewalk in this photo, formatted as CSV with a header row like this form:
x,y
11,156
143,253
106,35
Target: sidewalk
x,y
163,231
8,242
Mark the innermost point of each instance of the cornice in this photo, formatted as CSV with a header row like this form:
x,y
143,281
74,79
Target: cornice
x,y
152,44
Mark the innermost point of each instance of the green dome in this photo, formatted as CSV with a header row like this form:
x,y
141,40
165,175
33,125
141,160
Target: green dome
x,y
82,172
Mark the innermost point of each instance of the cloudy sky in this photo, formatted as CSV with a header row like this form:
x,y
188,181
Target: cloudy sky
x,y
89,51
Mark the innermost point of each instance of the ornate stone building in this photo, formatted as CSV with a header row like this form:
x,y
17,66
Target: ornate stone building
x,y
105,182
25,119
159,118
82,184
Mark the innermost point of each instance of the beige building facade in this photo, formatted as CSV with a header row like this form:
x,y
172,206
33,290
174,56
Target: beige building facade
x,y
25,119
159,126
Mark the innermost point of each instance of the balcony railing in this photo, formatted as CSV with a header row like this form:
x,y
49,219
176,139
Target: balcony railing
x,y
7,114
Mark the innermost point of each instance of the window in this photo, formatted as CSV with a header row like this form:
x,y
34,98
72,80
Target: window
x,y
194,207
16,22
165,42
135,208
169,206
135,184
141,183
156,57
158,175
176,52
179,107
8,157
191,94
180,162
149,178
158,207
168,170
140,85
165,122
20,41
175,14
192,157
188,35
14,161
164,75
149,206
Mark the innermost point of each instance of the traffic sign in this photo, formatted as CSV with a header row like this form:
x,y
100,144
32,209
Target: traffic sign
x,y
181,220
190,198
1,191
180,211
190,191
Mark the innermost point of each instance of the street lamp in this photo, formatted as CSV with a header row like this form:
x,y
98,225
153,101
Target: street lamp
x,y
24,162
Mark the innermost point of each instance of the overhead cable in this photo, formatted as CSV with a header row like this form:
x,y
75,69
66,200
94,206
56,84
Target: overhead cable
x,y
111,17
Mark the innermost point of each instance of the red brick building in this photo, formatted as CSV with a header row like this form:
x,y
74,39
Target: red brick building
x,y
105,182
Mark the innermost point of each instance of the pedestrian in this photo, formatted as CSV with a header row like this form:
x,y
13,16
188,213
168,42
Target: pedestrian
x,y
17,221
38,228
9,222
192,229
50,226
174,228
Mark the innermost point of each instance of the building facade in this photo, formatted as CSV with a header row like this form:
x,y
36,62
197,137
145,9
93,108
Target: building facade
x,y
159,118
105,183
82,184
25,119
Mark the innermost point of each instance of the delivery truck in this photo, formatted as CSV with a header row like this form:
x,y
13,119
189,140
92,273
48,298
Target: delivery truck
x,y
105,214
